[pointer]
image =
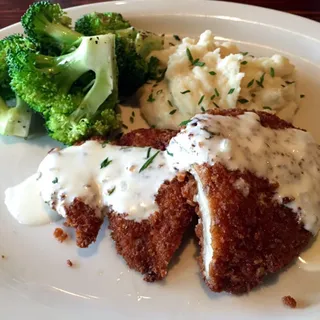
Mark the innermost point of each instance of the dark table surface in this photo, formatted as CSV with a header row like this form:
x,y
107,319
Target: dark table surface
x,y
11,10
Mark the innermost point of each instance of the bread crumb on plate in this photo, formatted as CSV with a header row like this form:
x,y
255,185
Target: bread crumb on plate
x,y
289,302
60,234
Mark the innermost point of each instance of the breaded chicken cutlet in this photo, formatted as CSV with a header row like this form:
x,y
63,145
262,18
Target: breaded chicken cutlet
x,y
149,245
244,233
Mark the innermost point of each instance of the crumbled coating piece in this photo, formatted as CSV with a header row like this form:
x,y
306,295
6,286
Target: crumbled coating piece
x,y
60,234
289,302
69,263
3,256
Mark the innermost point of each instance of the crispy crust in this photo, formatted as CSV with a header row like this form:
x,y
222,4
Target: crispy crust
x,y
148,246
85,220
253,236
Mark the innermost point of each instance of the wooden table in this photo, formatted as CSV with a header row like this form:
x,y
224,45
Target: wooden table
x,y
11,10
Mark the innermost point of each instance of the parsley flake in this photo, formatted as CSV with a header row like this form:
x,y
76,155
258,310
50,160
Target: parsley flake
x,y
244,62
203,109
231,91
184,92
216,105
131,119
212,97
105,163
176,37
201,99
151,98
196,62
267,108
212,73
272,72
217,92
148,162
170,103
184,123
244,53
148,153
290,82
243,101
169,153
250,83
302,96
55,180
260,82
173,111
124,126
189,55
111,191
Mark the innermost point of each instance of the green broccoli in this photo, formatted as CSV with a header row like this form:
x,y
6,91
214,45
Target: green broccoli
x,y
14,120
47,25
132,47
101,23
55,86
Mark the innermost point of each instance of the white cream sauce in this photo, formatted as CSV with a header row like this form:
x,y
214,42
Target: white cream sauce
x,y
288,157
106,177
25,204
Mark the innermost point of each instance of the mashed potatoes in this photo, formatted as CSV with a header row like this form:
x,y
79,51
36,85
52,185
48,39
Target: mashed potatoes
x,y
205,74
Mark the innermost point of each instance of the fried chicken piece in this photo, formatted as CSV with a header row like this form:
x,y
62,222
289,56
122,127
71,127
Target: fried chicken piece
x,y
250,234
149,245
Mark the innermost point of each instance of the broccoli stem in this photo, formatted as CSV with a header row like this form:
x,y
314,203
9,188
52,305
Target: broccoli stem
x,y
58,32
15,121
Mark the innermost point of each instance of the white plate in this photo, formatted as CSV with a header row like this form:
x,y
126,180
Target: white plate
x,y
34,279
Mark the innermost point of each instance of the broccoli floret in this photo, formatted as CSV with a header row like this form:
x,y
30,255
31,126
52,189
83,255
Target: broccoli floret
x,y
47,24
50,85
146,42
14,41
15,121
100,23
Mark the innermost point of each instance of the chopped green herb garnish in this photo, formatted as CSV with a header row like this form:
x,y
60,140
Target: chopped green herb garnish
x,y
212,73
302,96
189,55
105,163
250,83
203,109
201,99
231,91
260,82
133,114
216,105
244,53
244,62
170,103
243,101
169,153
148,162
290,82
196,62
104,144
151,98
173,112
131,119
55,180
176,37
148,153
217,92
212,97
184,92
124,126
111,191
272,72
184,123
267,108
